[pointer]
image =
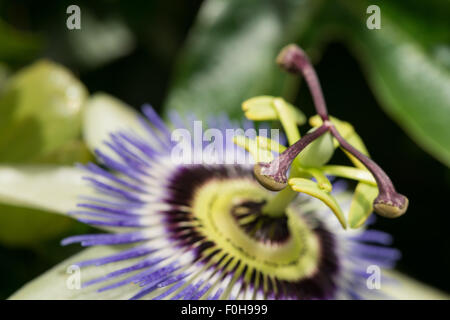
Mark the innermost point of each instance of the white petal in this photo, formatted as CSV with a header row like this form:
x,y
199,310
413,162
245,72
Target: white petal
x,y
48,187
104,114
410,289
60,282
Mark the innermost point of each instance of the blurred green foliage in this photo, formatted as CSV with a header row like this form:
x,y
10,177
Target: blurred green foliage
x,y
229,54
16,46
25,227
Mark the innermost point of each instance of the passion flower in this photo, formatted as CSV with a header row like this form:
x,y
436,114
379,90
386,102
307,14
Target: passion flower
x,y
199,231
249,229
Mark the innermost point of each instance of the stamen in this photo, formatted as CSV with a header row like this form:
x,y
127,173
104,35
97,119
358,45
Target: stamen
x,y
389,203
272,175
294,60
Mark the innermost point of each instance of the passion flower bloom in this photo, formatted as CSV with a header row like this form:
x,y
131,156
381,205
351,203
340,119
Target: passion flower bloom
x,y
210,229
197,231
190,231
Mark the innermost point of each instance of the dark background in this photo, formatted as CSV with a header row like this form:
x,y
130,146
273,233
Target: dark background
x,y
143,75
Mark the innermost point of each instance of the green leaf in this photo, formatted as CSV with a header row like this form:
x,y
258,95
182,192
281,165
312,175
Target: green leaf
x,y
230,54
362,204
413,87
4,74
100,42
40,110
309,187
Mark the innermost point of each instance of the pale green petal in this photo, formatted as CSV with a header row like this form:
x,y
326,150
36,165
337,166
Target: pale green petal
x,y
103,115
47,187
410,289
52,285
58,283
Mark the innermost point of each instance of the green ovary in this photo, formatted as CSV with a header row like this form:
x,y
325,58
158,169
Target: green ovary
x,y
292,259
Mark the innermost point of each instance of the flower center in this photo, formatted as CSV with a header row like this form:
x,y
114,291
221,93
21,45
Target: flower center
x,y
226,220
259,226
291,259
